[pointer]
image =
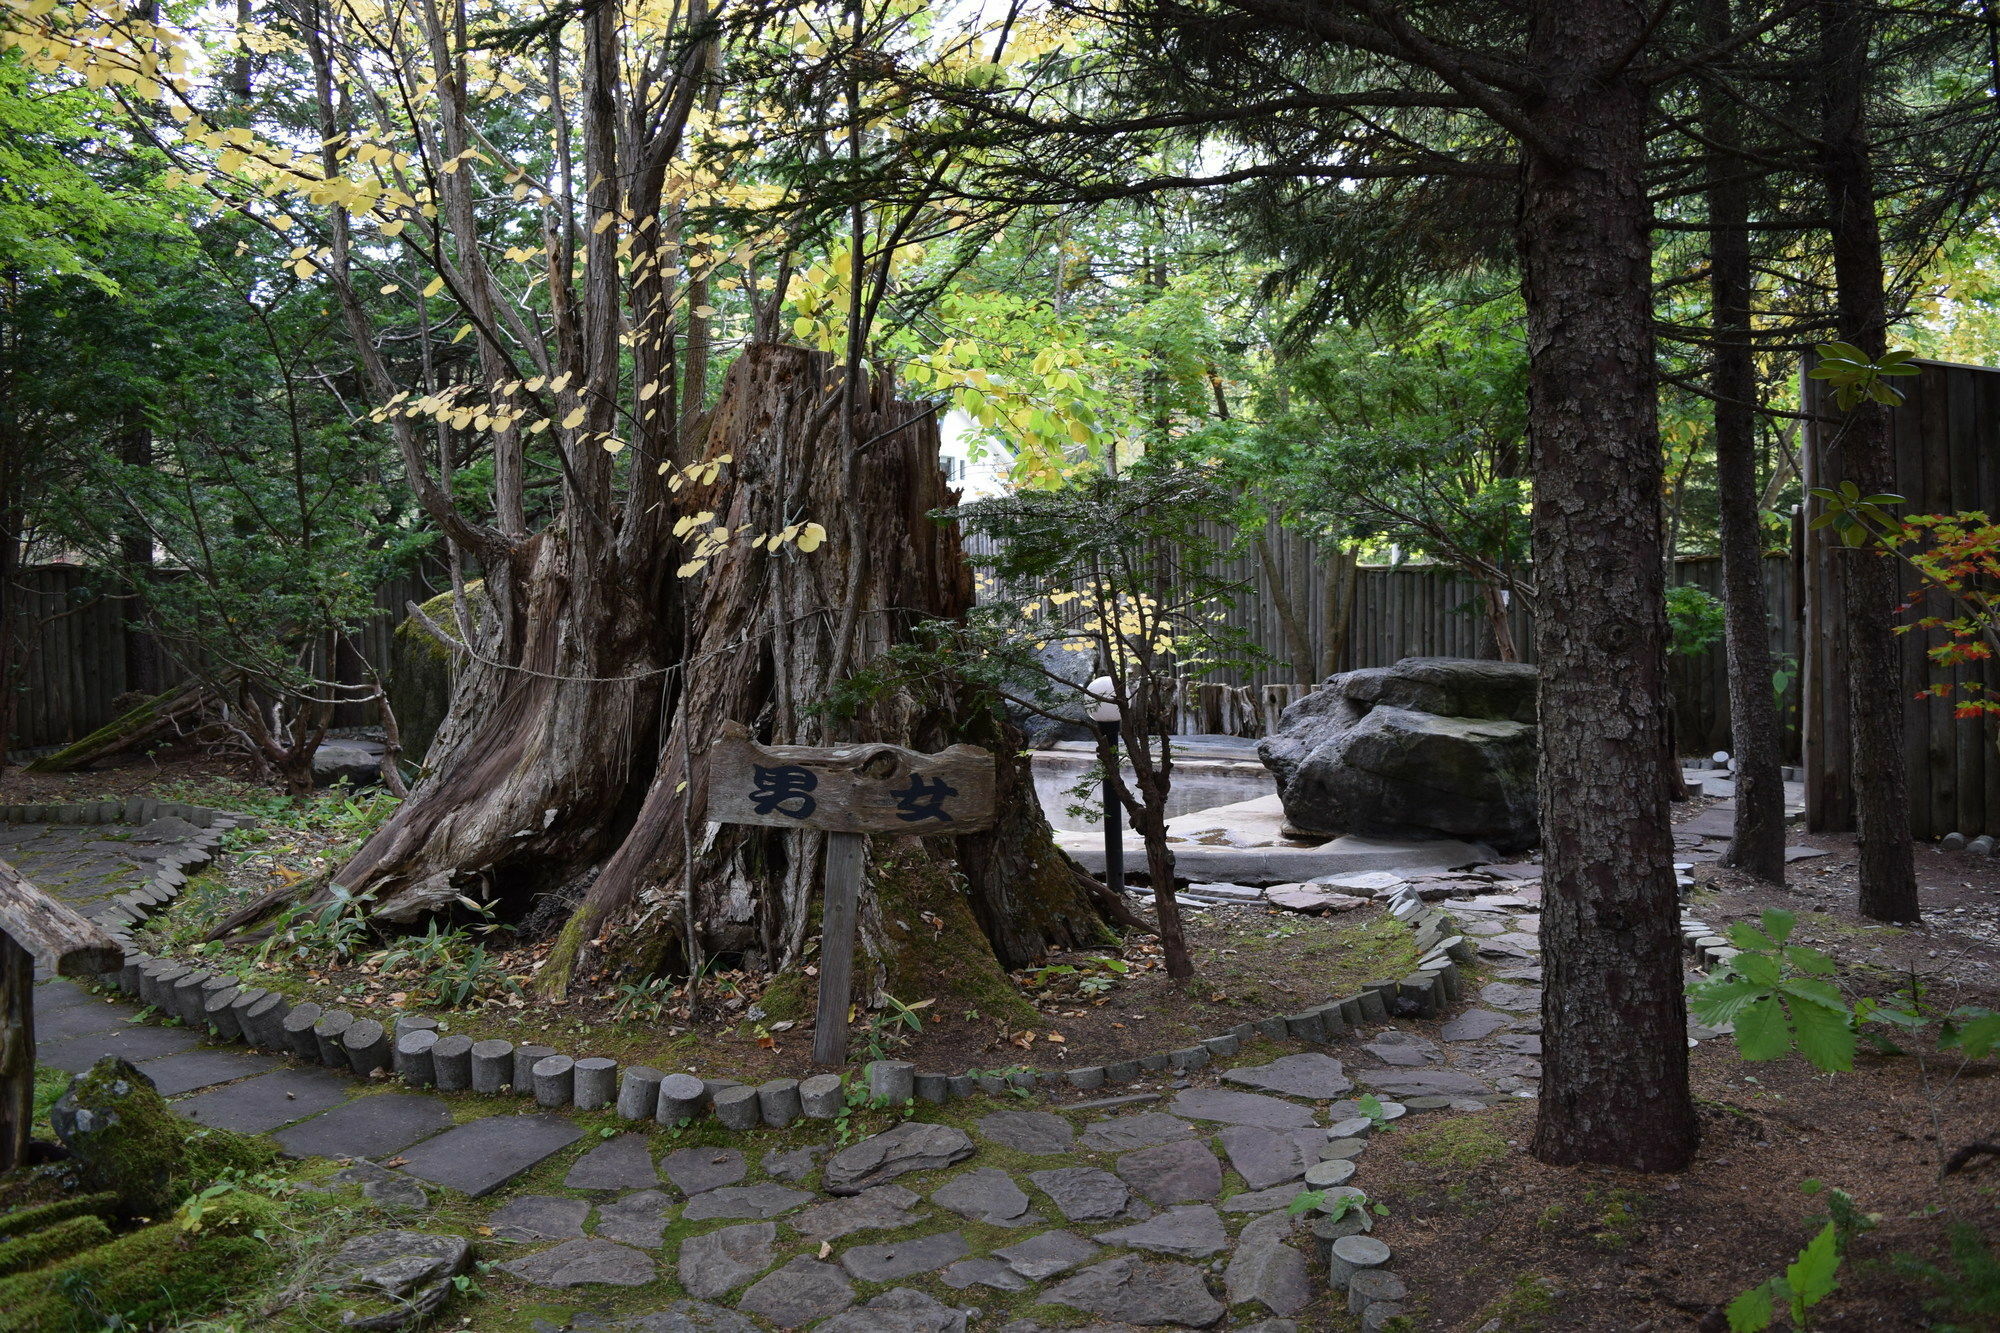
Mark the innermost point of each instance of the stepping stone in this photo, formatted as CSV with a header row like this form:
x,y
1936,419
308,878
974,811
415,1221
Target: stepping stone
x,y
1803,853
584,1263
1523,1043
480,1157
894,1260
1139,1293
78,1020
1241,1108
1267,1157
1307,1075
1424,1083
621,1163
638,1218
1192,1232
1084,1193
1037,1133
540,1217
1041,1257
765,1199
1506,995
800,1292
881,1208
1267,1271
1172,1172
373,1126
695,1170
717,1263
1135,1131
900,1311
136,1044
791,1167
265,1103
383,1187
987,1195
983,1273
913,1145
1473,1024
1261,1201
690,1317
397,1263
1400,1048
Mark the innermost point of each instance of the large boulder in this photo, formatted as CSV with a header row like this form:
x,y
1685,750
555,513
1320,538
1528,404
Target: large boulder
x,y
1060,692
1432,747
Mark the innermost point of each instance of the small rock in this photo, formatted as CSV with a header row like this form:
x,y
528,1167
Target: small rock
x,y
718,1262
764,1199
540,1217
638,1218
911,1146
580,1263
1191,1232
697,1170
800,1292
1037,1133
985,1195
891,1261
1084,1193
1135,1131
1044,1256
1147,1294
881,1208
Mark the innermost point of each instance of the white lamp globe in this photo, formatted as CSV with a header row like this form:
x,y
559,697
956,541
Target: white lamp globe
x,y
1105,691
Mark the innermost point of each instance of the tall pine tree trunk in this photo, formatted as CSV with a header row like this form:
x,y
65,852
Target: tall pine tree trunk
x,y
1615,1088
1862,452
1758,847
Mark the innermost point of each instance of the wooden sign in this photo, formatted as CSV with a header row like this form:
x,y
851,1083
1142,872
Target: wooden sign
x,y
849,791
849,788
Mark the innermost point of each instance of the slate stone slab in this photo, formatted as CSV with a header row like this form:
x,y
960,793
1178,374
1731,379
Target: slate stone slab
x,y
986,1195
77,1020
540,1217
1307,1075
638,1218
690,1317
1240,1108
800,1292
882,1208
1473,1024
480,1157
903,1310
621,1163
134,1043
387,1189
1266,1271
1400,1048
1137,1292
910,1146
694,1170
894,1260
1084,1193
1184,1172
1507,995
188,1071
1041,1257
1037,1133
1261,1201
1194,1231
367,1127
793,1166
264,1103
765,1199
983,1273
1267,1157
1424,1083
1135,1131
584,1263
714,1264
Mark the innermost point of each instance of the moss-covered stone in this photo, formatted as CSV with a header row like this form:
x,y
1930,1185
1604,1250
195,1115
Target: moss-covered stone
x,y
129,1143
21,1221
419,680
925,940
51,1243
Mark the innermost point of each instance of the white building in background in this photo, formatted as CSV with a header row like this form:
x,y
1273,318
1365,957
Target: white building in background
x,y
976,467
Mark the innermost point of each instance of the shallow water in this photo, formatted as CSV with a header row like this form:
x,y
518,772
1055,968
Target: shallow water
x,y
1197,785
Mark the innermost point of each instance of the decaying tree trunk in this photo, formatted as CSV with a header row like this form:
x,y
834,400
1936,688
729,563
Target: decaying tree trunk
x,y
591,691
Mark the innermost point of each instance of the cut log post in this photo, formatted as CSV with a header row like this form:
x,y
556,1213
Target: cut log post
x,y
17,1052
154,717
836,946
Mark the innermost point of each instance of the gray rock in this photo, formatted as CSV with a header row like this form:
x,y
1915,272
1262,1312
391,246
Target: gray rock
x,y
1506,995
1135,1131
1395,1047
522,1079
621,1163
718,1262
1344,1149
1147,1294
1182,1172
911,1146
1261,1201
595,1082
1423,1082
765,1199
793,1166
1084,1193
584,1263
358,763
891,1081
822,1096
451,1063
383,1187
694,1170
690,1317
1191,1232
894,1260
555,1081
412,1058
800,1292
540,1217
1337,1171
778,1102
638,1218
900,1311
1037,1133
403,1277
1041,1257
1267,1157
480,1156
1473,1024
983,1273
1240,1108
1267,1271
738,1108
492,1064
882,1208
639,1093
985,1195
1307,1075
1373,1286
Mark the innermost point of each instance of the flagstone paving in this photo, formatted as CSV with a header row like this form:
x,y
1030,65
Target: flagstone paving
x,y
1165,1205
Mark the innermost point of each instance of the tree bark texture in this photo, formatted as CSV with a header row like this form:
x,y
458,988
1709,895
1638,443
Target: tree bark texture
x,y
1862,452
1615,1087
1758,847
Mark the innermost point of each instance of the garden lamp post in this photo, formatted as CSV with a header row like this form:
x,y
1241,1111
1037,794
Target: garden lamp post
x,y
1104,712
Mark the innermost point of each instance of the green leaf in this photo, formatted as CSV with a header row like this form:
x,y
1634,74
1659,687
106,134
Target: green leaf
x,y
1810,960
1824,1037
1716,1003
1746,936
1811,1278
1814,991
1761,1033
1779,923
1980,1036
1842,352
1752,1312
1758,967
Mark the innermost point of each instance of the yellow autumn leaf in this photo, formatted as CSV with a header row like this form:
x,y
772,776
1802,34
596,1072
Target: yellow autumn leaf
x,y
434,286
394,228
390,289
810,537
305,268
573,420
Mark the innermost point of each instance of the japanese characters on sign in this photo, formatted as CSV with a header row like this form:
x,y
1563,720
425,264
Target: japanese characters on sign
x,y
849,789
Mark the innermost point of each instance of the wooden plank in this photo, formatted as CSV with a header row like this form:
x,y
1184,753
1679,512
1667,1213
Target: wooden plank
x,y
836,946
1923,457
1829,797
1968,737
17,1052
1986,495
58,937
848,788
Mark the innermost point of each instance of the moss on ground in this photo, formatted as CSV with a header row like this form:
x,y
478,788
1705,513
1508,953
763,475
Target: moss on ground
x,y
1458,1143
932,945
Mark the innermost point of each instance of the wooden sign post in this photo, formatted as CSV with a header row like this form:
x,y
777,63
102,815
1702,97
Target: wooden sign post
x,y
848,791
